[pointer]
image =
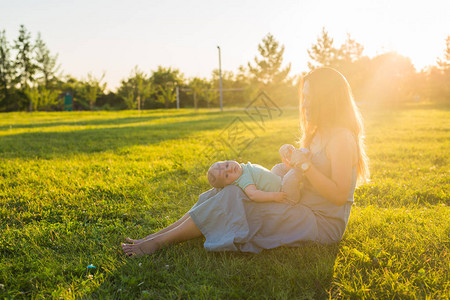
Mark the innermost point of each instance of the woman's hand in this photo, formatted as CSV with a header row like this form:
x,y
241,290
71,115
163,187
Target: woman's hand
x,y
298,157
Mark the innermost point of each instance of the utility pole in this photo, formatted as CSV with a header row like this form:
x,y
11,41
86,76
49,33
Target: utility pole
x,y
220,80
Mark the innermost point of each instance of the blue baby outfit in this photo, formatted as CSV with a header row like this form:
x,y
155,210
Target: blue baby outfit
x,y
259,176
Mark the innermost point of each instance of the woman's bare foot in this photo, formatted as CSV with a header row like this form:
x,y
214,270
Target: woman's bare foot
x,y
134,241
142,248
141,240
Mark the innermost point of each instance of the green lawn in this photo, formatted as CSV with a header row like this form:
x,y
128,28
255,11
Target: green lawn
x,y
73,185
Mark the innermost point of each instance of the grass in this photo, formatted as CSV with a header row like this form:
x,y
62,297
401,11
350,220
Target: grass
x,y
73,185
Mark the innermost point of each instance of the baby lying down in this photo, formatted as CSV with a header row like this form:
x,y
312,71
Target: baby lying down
x,y
281,184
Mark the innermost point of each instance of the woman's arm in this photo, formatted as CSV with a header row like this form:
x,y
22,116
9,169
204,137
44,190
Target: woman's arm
x,y
260,196
341,151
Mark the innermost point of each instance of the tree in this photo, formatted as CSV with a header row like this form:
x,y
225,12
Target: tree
x,y
33,95
92,88
136,89
444,63
24,64
45,62
352,64
200,89
42,98
164,81
74,87
267,69
238,87
390,78
347,59
143,87
110,101
6,67
129,99
323,54
350,51
24,60
440,78
166,94
48,98
267,72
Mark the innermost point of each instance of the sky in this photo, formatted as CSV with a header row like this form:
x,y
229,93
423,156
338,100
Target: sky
x,y
111,36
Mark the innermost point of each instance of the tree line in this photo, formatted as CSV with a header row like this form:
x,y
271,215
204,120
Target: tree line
x,y
387,77
31,78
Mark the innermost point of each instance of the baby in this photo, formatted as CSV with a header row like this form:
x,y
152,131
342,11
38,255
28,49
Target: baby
x,y
281,184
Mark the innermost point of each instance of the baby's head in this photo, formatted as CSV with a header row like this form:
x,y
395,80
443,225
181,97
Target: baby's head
x,y
223,173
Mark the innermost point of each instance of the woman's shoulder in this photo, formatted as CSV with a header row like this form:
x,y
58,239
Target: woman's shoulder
x,y
341,135
341,138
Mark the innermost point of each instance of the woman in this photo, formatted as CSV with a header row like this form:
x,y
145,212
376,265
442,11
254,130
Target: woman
x,y
333,132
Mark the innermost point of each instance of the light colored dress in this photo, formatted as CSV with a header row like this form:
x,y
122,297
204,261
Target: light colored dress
x,y
231,222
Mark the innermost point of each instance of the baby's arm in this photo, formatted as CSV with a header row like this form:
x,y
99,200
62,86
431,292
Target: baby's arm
x,y
260,196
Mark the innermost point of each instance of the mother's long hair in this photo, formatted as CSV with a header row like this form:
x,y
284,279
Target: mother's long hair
x,y
331,105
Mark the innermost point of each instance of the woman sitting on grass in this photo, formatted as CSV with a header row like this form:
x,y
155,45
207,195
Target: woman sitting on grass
x,y
332,131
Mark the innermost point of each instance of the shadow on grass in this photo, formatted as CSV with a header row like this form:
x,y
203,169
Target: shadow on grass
x,y
88,204
50,144
106,121
188,271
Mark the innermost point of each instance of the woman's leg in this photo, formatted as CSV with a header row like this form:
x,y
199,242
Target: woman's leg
x,y
280,169
291,185
170,227
185,231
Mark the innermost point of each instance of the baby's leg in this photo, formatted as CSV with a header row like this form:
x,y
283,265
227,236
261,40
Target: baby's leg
x,y
280,169
286,152
291,185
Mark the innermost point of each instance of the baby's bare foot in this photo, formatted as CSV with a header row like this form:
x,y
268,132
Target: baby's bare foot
x,y
140,249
